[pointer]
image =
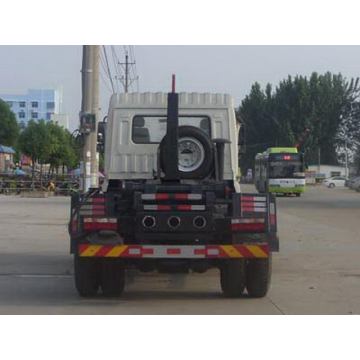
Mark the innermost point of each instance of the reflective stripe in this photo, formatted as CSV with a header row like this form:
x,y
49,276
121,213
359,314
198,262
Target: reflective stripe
x,y
100,220
256,251
231,251
116,251
92,207
253,198
100,224
157,207
167,196
184,207
257,204
247,221
174,251
189,196
253,209
190,207
92,212
250,227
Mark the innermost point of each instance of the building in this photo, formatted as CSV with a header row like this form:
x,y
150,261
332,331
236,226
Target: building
x,y
36,104
61,120
327,171
6,158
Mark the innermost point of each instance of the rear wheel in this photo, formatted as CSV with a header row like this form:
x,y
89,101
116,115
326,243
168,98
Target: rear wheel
x,y
112,277
87,277
331,186
232,278
258,276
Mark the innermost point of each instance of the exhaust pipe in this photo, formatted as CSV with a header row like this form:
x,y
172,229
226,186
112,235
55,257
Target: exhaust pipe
x,y
148,222
173,222
220,157
199,222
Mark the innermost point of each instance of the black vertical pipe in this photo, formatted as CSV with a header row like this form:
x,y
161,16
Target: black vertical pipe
x,y
172,135
220,152
220,147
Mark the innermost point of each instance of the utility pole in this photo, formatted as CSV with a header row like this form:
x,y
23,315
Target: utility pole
x,y
86,85
94,167
126,73
126,83
89,114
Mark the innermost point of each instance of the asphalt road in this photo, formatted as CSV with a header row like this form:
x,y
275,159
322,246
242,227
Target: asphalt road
x,y
316,272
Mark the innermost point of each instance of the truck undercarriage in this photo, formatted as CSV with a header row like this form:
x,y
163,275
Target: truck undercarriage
x,y
176,231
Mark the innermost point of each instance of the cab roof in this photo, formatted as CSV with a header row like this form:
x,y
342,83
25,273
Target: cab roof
x,y
159,100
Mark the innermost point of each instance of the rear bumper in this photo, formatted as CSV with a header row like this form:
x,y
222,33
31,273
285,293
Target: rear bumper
x,y
175,251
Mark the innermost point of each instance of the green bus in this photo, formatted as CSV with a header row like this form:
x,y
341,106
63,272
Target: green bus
x,y
280,170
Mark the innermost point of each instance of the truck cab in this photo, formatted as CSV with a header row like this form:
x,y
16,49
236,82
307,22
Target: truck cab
x,y
137,124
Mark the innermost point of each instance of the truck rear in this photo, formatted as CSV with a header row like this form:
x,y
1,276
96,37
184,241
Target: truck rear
x,y
171,201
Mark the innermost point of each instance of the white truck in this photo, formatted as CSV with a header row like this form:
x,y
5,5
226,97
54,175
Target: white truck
x,y
171,199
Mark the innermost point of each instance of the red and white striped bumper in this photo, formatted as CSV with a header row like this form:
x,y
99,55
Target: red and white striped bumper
x,y
174,251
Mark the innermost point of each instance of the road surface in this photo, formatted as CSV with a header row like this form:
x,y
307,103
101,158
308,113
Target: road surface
x,y
316,272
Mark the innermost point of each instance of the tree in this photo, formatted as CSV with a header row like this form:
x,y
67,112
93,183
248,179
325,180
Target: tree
x,y
72,154
35,142
48,143
9,128
254,112
324,104
63,150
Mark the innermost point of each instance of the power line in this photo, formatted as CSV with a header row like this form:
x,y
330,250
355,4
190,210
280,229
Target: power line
x,y
105,82
132,52
103,66
116,63
125,72
108,69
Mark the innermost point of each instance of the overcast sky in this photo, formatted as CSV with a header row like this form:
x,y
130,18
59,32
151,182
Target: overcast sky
x,y
230,69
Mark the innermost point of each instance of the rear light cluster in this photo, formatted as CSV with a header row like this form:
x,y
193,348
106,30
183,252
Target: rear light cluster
x,y
94,206
248,225
91,224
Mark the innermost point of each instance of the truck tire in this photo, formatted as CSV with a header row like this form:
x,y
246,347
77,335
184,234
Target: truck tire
x,y
232,278
258,276
112,277
200,142
87,279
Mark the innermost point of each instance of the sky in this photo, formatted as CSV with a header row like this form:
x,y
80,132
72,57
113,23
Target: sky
x,y
219,69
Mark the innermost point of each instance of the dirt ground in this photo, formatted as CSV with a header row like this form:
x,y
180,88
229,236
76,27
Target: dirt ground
x,y
317,270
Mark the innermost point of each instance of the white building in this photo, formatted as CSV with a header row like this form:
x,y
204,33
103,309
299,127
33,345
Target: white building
x,y
35,104
327,171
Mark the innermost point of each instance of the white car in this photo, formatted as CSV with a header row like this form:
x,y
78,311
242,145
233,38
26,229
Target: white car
x,y
336,181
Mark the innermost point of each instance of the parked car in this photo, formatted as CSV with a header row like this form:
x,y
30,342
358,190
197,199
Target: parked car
x,y
355,185
336,181
351,182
